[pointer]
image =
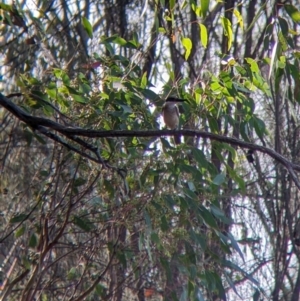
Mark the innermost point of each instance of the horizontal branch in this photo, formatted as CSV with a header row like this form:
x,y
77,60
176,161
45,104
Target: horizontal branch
x,y
71,132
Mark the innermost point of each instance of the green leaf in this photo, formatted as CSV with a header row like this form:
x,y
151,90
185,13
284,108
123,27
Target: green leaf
x,y
192,170
227,30
87,26
147,219
120,41
293,12
100,290
253,64
218,213
166,265
161,30
168,199
83,223
231,284
274,55
219,179
237,268
190,253
208,218
284,26
235,177
204,7
200,157
187,44
150,94
198,239
231,150
28,135
79,98
155,238
33,241
122,258
256,295
72,274
144,80
259,126
20,231
18,218
203,35
192,197
39,138
164,225
239,18
61,74
79,182
6,7
235,245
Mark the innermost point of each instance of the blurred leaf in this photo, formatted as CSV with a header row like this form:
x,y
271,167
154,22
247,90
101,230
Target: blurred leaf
x,y
231,150
196,9
150,94
39,138
208,218
218,213
284,26
227,30
198,239
231,284
28,135
147,219
33,241
256,295
273,58
164,225
237,268
100,290
203,35
144,80
235,245
187,44
293,12
72,274
87,26
184,294
239,18
192,170
253,64
204,7
79,98
83,223
79,182
219,179
259,126
166,265
155,238
20,231
200,158
190,253
61,74
18,218
122,258
169,201
6,7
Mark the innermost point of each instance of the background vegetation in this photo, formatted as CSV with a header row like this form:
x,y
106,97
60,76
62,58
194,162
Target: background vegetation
x,y
96,201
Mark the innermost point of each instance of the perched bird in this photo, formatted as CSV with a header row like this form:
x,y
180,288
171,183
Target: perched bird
x,y
171,115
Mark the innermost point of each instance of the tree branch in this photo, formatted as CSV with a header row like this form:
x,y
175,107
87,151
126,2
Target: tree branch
x,y
40,123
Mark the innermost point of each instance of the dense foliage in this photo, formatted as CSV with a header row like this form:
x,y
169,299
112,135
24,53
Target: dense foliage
x,y
97,202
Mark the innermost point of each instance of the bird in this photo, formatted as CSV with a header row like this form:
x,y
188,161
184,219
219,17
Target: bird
x,y
171,115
